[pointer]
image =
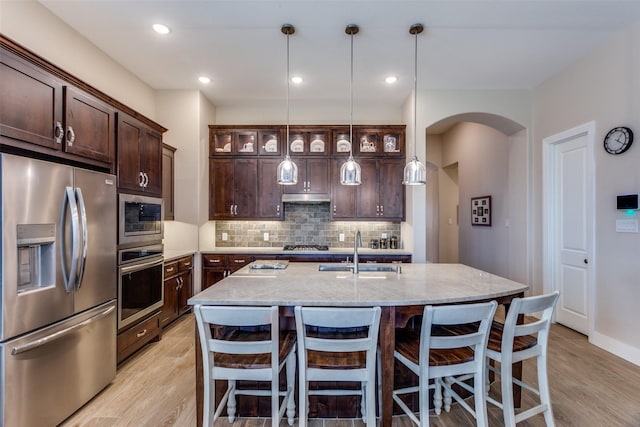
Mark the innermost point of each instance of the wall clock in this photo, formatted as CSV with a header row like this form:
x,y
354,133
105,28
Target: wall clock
x,y
618,140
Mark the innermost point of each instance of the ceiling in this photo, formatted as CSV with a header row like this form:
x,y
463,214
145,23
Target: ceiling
x,y
475,44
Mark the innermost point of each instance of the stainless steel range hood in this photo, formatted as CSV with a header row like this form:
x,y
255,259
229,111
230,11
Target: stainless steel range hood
x,y
306,198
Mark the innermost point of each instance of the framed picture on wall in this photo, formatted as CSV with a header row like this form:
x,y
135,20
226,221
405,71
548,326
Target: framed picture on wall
x,y
481,211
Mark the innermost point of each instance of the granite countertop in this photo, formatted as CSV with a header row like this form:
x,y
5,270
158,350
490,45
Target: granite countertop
x,y
303,284
170,255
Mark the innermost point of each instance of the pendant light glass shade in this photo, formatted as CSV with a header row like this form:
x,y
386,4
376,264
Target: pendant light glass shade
x,y
287,170
350,172
415,173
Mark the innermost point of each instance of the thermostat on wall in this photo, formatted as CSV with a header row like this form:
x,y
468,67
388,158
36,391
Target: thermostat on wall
x,y
628,201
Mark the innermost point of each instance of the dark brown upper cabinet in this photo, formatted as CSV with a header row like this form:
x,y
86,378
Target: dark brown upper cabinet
x,y
379,141
53,116
233,142
168,181
233,188
270,142
139,157
341,143
309,142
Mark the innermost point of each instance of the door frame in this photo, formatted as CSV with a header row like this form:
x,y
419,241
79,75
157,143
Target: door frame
x,y
549,180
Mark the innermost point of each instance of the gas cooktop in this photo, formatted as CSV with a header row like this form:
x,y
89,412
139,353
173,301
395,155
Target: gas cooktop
x,y
305,248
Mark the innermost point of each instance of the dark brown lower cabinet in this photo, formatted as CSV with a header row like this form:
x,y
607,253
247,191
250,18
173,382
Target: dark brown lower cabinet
x,y
178,287
138,336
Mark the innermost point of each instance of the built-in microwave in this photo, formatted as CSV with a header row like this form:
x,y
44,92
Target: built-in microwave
x,y
140,219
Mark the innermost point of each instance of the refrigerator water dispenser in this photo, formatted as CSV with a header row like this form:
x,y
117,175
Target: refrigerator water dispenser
x,y
36,256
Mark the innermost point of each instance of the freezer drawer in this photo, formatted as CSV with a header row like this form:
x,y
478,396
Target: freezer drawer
x,y
48,374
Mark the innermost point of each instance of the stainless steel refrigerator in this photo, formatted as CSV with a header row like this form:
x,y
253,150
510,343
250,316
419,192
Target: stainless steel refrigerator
x,y
58,308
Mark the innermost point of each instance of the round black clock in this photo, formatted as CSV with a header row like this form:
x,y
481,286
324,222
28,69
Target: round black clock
x,y
618,140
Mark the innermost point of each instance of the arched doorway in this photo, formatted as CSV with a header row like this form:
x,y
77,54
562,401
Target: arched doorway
x,y
478,155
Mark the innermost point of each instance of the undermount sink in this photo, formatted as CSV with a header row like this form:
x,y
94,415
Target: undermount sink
x,y
361,267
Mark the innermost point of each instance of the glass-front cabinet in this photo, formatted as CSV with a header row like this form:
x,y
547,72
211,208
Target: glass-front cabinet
x,y
376,142
308,142
249,142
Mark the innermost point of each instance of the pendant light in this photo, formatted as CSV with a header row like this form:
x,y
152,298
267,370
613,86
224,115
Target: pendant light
x,y
287,169
415,173
350,173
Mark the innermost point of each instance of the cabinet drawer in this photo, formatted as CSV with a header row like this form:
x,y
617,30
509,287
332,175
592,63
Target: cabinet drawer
x,y
136,337
213,261
236,262
170,269
185,264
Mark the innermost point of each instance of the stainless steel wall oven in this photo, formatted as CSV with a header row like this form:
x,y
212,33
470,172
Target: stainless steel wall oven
x,y
140,283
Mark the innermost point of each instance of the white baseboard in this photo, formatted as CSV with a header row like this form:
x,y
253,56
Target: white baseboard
x,y
620,349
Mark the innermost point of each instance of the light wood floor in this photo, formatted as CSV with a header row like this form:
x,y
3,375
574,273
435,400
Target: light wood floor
x,y
156,387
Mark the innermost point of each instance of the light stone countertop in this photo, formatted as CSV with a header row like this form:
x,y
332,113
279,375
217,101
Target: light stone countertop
x,y
303,284
170,255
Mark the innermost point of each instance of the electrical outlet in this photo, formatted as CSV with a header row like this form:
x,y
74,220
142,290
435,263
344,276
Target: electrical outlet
x,y
341,237
384,235
225,236
266,237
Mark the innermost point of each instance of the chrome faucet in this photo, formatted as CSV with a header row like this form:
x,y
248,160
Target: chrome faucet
x,y
357,241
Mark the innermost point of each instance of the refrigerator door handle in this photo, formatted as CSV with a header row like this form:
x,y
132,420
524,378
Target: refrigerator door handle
x,y
57,335
83,219
69,198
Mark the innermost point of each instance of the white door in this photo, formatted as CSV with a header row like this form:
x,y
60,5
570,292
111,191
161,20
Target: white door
x,y
568,223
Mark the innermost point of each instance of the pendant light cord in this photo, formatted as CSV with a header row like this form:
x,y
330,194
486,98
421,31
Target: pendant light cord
x,y
351,104
415,98
287,140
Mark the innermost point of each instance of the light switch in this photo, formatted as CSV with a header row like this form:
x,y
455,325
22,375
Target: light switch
x,y
225,236
626,225
341,237
266,237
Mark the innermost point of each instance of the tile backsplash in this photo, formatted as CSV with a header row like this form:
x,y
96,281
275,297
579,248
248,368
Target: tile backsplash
x,y
303,224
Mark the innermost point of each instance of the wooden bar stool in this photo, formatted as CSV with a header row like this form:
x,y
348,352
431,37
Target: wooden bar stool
x,y
443,357
346,355
513,342
243,353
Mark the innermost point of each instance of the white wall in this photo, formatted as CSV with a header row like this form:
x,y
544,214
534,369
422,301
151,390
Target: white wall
x,y
310,112
605,87
504,110
482,155
178,110
34,27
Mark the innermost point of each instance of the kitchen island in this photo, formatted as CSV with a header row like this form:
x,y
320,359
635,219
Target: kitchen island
x,y
401,294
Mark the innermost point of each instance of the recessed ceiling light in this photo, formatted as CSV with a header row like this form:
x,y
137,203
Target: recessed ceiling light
x,y
296,80
391,79
161,29
204,79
